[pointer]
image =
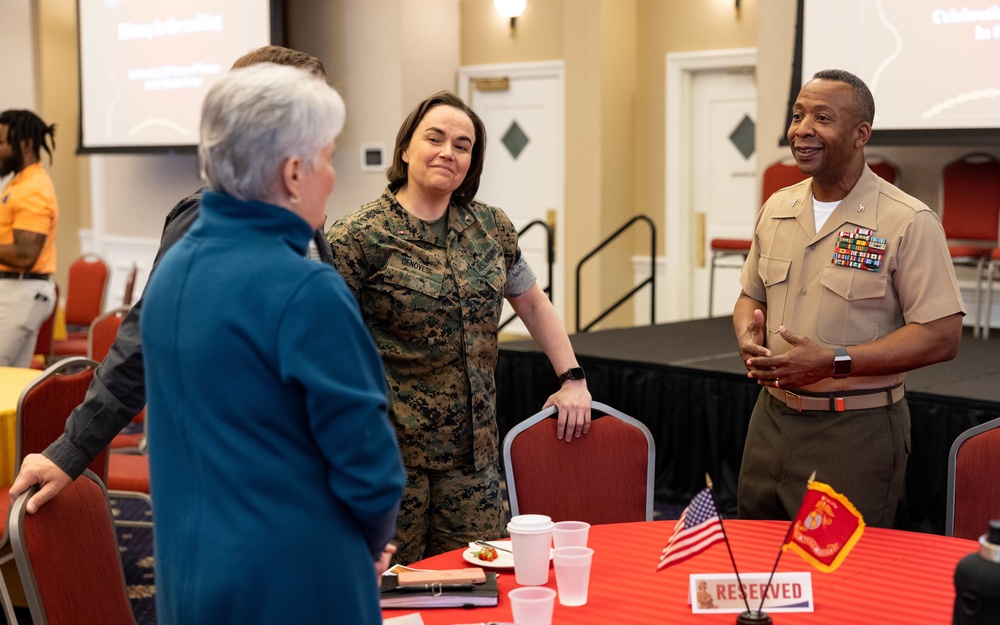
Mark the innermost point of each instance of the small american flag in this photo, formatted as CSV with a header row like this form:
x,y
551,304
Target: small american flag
x,y
698,529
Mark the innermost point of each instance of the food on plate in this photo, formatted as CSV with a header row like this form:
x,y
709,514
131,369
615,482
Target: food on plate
x,y
486,554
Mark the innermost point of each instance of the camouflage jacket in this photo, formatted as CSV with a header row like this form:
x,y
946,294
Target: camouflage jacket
x,y
434,311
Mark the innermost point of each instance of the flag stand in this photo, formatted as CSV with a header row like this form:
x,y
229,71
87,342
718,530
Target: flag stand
x,y
753,618
749,617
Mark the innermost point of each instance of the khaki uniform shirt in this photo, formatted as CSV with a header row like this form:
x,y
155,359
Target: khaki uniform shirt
x,y
791,269
433,309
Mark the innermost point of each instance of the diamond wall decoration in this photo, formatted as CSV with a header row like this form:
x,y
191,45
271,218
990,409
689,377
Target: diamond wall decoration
x,y
514,139
743,137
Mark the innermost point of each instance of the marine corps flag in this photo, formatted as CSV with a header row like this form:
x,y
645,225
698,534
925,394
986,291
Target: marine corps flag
x,y
826,527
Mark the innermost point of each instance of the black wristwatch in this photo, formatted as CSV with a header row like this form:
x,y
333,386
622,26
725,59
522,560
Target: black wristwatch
x,y
841,363
576,373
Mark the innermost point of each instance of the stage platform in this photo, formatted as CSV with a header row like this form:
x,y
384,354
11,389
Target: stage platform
x,y
685,381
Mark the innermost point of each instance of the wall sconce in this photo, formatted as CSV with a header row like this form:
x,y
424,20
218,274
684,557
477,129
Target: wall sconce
x,y
511,9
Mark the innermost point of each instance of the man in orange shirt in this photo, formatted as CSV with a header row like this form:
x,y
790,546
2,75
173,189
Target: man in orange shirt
x,y
28,215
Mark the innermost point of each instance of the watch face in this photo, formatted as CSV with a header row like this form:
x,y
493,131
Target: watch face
x,y
842,365
576,373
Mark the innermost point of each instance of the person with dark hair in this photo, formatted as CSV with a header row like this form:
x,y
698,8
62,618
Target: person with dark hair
x,y
29,214
848,286
431,267
118,391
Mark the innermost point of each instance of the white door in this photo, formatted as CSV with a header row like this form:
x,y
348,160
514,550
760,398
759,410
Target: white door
x,y
711,188
522,108
724,200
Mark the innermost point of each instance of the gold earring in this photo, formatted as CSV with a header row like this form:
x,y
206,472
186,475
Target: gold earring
x,y
294,199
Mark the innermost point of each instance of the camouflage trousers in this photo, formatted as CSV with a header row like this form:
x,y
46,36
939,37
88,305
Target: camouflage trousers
x,y
446,510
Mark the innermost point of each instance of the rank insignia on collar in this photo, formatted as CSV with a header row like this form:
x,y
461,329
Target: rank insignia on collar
x,y
861,208
795,201
860,249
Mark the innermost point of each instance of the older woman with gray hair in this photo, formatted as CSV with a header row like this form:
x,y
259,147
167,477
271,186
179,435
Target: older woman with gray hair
x,y
275,471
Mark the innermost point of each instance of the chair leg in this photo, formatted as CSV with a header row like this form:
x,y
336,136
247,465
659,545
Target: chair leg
x,y
8,603
711,283
990,270
977,328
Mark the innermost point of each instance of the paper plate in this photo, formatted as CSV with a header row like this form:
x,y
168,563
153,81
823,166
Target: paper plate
x,y
504,560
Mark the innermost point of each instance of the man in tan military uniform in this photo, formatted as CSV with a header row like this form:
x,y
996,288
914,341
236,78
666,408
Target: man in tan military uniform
x,y
848,286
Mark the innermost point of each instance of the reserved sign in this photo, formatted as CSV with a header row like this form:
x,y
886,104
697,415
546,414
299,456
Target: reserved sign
x,y
721,592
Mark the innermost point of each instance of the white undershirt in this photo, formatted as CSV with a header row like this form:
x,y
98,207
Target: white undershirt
x,y
822,210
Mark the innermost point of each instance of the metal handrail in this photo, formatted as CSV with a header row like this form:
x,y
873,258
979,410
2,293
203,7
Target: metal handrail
x,y
550,257
651,280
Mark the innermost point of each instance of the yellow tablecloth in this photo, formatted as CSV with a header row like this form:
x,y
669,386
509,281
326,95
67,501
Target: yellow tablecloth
x,y
12,382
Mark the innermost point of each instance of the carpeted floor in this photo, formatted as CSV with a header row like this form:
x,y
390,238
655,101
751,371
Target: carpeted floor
x,y
136,546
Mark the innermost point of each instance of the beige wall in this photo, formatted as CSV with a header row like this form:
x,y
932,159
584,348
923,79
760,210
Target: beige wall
x,y
665,27
615,52
596,41
17,56
385,55
57,103
486,36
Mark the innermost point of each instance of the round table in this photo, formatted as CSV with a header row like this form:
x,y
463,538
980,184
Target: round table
x,y
891,576
12,383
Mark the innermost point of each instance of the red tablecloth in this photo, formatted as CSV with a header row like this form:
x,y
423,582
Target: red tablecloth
x,y
891,577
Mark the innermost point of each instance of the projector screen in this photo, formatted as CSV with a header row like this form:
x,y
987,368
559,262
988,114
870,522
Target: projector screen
x,y
146,65
932,65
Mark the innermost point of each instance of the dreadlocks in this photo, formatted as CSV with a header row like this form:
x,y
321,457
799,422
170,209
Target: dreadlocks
x,y
25,125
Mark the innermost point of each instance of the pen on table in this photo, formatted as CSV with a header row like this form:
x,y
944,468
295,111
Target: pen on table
x,y
434,587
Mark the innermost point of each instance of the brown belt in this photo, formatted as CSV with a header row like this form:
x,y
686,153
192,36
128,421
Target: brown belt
x,y
23,275
834,402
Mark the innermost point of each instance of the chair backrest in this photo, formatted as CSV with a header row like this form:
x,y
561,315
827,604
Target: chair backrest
x,y
87,281
103,331
67,557
605,476
778,176
786,173
46,403
884,169
970,198
974,481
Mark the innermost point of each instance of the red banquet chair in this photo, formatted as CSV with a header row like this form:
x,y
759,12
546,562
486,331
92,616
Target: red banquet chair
x,y
603,477
973,497
103,332
970,215
68,559
87,281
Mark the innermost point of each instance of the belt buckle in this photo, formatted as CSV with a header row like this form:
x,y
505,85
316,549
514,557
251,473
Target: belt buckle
x,y
798,400
837,404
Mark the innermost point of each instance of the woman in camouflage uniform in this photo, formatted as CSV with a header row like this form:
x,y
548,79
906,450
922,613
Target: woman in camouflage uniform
x,y
431,266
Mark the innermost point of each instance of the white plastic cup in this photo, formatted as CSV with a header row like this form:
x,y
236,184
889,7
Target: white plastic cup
x,y
570,534
572,566
532,605
531,542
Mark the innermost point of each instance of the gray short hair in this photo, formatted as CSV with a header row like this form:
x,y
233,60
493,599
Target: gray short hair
x,y
256,117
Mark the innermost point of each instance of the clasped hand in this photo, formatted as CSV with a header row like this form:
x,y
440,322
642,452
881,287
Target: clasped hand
x,y
805,363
